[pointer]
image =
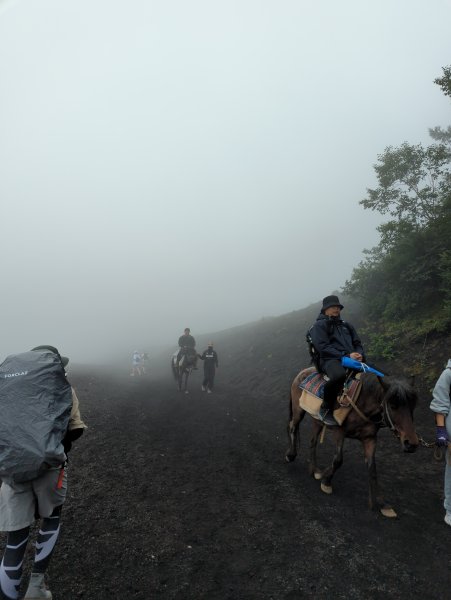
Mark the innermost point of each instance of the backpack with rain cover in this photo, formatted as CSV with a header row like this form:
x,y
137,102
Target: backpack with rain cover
x,y
35,407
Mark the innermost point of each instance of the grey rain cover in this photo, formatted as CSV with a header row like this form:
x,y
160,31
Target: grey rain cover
x,y
35,407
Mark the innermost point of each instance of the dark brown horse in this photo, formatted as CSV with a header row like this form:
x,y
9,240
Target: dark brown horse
x,y
383,402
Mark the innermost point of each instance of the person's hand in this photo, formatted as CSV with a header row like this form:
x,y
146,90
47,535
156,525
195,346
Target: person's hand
x,y
356,356
441,436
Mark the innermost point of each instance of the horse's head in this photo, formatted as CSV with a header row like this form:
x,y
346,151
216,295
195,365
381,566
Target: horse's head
x,y
399,401
190,360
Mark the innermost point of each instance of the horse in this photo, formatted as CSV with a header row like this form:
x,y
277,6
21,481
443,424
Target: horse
x,y
182,369
383,402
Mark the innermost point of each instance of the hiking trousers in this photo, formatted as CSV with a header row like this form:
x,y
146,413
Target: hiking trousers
x,y
447,502
337,376
209,376
22,503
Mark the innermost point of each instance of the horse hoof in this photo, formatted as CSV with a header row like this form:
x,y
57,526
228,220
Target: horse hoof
x,y
327,489
389,512
289,457
317,475
186,392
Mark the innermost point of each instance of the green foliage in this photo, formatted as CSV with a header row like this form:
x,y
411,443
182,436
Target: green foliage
x,y
440,135
404,282
411,180
445,81
380,345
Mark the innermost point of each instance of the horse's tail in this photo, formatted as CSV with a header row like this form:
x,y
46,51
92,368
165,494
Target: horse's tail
x,y
290,408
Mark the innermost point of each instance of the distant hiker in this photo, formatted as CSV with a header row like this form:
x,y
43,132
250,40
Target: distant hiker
x,y
136,363
210,358
333,338
40,420
441,405
187,345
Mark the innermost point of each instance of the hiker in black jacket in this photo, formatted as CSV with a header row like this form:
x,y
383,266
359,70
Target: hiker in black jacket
x,y
334,338
210,358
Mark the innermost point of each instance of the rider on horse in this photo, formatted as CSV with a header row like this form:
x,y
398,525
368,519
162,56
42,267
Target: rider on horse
x,y
187,346
333,339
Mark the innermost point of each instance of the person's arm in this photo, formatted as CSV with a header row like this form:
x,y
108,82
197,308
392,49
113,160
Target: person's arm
x,y
440,419
70,437
441,402
76,425
216,358
75,420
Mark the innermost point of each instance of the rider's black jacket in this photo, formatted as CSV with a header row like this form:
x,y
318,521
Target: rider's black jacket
x,y
334,338
187,341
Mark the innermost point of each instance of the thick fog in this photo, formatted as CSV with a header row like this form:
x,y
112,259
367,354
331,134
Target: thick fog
x,y
196,163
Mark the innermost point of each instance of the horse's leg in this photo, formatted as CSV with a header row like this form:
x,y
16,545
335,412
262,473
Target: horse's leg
x,y
297,414
326,479
313,469
180,379
186,381
376,500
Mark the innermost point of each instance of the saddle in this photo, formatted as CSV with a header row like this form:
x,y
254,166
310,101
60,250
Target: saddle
x,y
313,394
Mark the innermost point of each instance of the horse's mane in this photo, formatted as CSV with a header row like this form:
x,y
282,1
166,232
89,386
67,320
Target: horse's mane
x,y
397,392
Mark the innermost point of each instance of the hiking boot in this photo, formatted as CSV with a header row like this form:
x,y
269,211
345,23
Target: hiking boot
x,y
325,415
448,517
37,588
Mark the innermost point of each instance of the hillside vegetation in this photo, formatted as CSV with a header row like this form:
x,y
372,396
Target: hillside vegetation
x,y
401,292
404,284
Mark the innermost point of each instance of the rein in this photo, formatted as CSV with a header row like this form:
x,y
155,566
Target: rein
x,y
438,450
386,420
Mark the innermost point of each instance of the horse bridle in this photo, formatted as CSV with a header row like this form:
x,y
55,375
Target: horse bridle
x,y
385,420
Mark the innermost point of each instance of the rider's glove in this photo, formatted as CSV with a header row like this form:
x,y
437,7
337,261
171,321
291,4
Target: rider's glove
x,y
441,436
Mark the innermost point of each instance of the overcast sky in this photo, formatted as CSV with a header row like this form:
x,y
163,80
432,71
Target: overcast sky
x,y
196,163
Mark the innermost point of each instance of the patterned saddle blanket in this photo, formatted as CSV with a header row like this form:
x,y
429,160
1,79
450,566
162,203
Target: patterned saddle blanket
x,y
315,382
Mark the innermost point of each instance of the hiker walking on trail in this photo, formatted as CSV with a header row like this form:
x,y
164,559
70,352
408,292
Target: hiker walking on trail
x,y
210,358
40,420
441,405
136,363
333,339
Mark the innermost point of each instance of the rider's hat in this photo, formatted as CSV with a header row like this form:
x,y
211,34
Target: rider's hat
x,y
329,301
